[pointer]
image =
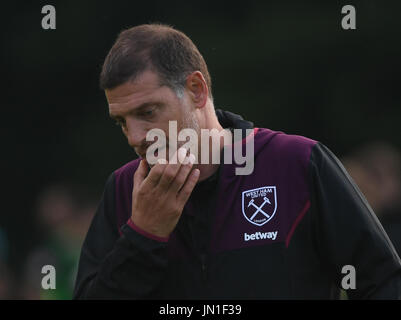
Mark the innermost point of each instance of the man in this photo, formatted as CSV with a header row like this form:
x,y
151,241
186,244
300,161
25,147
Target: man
x,y
183,230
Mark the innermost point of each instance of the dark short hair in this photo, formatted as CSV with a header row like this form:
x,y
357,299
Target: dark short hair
x,y
157,47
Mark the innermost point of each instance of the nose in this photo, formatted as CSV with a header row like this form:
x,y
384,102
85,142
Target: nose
x,y
135,133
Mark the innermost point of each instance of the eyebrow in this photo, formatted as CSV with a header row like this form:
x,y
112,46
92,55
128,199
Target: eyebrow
x,y
138,108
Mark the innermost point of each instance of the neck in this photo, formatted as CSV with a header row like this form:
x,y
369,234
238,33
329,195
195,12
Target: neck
x,y
210,122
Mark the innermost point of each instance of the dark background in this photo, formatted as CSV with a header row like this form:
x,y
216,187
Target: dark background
x,y
286,65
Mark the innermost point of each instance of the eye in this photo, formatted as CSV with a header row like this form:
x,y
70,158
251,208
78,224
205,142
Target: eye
x,y
147,113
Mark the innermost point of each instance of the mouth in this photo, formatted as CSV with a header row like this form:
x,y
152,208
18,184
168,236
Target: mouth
x,y
156,153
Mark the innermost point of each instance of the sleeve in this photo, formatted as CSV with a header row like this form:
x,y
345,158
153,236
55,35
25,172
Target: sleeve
x,y
111,266
347,232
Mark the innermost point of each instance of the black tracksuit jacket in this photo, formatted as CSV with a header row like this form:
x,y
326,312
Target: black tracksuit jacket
x,y
283,232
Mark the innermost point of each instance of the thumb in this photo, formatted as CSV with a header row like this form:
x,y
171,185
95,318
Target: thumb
x,y
140,173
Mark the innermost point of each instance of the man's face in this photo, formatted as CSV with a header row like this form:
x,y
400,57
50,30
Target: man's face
x,y
143,104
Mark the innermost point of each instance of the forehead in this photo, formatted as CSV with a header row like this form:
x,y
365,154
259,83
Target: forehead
x,y
146,84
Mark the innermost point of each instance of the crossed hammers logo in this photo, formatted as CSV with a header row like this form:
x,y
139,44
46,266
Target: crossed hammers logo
x,y
259,209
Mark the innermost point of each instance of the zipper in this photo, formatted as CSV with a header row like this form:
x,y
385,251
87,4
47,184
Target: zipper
x,y
203,266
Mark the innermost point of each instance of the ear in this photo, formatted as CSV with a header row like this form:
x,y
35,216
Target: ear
x,y
197,89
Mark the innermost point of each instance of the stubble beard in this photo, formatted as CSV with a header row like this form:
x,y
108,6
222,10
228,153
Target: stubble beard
x,y
189,121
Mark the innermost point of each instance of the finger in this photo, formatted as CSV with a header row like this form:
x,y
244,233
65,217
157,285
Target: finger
x,y
172,169
155,174
182,175
189,185
140,173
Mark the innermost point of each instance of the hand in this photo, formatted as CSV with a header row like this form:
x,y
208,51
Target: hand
x,y
159,198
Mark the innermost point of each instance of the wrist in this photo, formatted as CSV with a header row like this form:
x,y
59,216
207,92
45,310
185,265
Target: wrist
x,y
146,234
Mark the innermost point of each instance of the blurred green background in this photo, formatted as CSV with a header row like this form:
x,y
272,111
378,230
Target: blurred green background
x,y
285,65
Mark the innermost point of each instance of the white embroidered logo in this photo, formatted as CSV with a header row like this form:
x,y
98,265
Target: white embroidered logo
x,y
259,205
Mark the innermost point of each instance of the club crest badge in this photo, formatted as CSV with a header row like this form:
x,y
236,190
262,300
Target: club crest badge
x,y
259,205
